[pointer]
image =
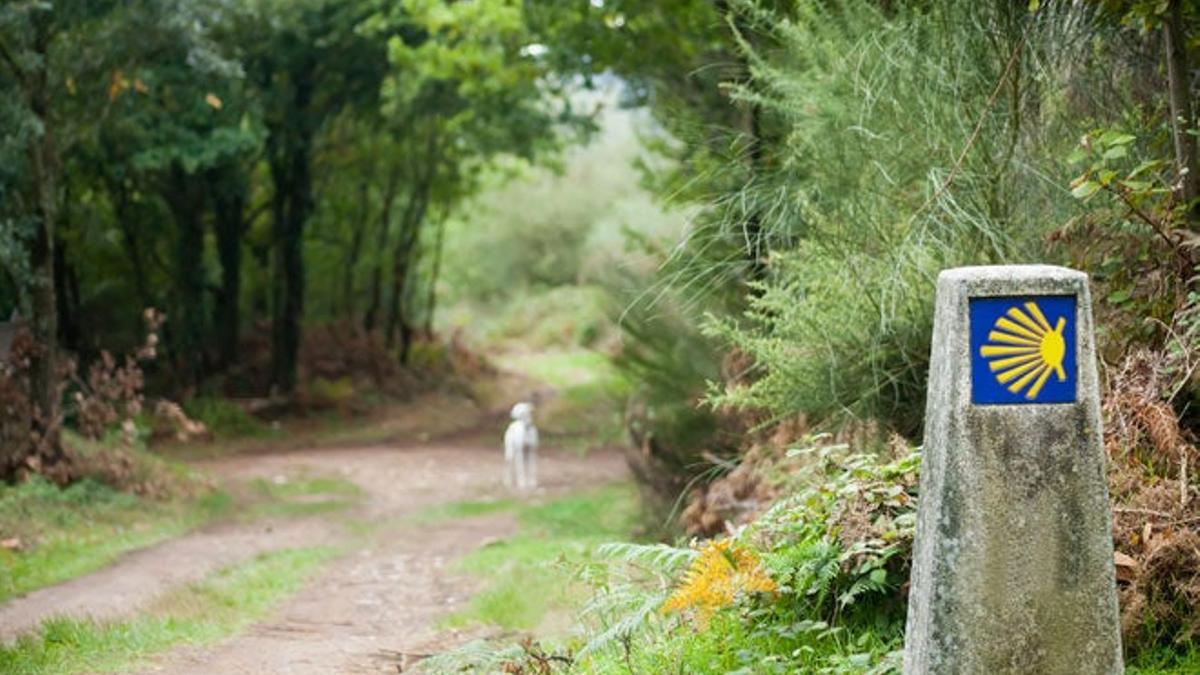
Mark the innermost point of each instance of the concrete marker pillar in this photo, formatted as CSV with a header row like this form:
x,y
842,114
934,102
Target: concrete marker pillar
x,y
1013,562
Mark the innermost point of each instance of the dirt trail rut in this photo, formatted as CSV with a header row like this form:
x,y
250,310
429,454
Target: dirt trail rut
x,y
365,609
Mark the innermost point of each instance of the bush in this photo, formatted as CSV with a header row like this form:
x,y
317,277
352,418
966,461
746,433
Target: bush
x,y
913,144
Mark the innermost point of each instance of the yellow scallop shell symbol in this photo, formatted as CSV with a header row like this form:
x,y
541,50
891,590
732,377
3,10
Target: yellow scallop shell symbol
x,y
1023,350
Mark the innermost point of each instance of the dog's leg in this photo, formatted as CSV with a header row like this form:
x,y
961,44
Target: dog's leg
x,y
531,440
521,469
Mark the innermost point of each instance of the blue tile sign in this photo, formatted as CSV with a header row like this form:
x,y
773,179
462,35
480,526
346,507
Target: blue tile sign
x,y
1023,350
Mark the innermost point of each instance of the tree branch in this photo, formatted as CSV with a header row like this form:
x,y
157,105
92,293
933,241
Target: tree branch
x,y
1144,217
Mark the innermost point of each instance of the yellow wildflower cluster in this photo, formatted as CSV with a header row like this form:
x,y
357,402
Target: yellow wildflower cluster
x,y
721,572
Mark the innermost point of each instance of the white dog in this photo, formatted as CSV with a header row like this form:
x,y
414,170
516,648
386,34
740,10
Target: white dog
x,y
520,449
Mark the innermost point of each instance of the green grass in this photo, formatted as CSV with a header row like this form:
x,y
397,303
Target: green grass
x,y
561,368
199,613
524,585
467,509
226,420
1165,661
68,532
302,496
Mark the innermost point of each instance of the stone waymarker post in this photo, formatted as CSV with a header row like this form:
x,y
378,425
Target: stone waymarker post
x,y
1013,561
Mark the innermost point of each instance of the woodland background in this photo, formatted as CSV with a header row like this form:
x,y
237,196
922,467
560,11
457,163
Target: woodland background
x,y
733,209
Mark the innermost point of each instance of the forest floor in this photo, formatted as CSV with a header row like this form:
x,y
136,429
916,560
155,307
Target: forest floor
x,y
386,575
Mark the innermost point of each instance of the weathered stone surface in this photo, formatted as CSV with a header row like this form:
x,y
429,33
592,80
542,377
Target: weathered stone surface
x,y
1013,567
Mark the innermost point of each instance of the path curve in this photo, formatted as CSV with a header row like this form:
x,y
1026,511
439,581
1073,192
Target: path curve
x,y
365,609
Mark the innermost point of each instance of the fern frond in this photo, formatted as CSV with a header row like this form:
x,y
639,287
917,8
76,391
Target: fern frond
x,y
660,558
628,623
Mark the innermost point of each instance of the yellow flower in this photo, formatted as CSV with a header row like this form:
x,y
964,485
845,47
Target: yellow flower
x,y
721,572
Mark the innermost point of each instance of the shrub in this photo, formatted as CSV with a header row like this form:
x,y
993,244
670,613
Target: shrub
x,y
813,585
916,139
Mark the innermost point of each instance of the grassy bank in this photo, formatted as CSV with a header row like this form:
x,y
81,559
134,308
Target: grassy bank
x,y
204,612
525,585
57,534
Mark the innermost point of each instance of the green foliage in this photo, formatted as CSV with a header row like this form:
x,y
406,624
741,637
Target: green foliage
x,y
912,147
1165,661
838,550
562,316
843,540
670,363
1134,239
548,268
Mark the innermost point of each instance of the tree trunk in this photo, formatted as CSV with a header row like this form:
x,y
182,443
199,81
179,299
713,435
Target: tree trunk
x,y
397,321
45,170
424,170
185,195
290,150
431,292
129,241
371,317
355,252
1182,123
293,204
66,283
229,203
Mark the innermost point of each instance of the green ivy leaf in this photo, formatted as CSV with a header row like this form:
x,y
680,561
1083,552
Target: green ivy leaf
x,y
1112,138
1144,167
1116,152
1085,189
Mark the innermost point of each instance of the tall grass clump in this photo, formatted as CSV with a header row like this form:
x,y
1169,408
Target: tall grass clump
x,y
914,139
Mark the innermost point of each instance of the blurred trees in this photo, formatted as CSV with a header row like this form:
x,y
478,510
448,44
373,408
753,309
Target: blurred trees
x,y
199,156
843,152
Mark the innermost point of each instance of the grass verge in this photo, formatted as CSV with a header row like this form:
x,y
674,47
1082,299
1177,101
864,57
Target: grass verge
x,y
299,496
467,509
1166,661
199,613
58,534
525,588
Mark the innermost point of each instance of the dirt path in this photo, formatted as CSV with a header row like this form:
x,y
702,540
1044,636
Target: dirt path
x,y
366,608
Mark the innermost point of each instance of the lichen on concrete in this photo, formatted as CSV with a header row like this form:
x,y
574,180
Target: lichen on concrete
x,y
1013,563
